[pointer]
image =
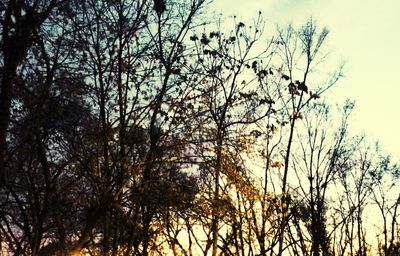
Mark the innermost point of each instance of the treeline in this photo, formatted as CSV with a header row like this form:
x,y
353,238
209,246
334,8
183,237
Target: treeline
x,y
133,127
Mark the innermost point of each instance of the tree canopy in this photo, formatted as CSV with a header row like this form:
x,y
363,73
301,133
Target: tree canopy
x,y
149,128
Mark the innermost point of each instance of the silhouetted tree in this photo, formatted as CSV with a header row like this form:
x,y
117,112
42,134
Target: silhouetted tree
x,y
147,128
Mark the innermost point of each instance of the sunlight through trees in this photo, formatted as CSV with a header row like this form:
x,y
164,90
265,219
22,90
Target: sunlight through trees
x,y
150,128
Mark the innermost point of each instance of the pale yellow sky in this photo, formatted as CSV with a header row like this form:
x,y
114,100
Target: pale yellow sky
x,y
364,33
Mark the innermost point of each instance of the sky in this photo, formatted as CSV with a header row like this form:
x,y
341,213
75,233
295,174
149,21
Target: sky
x,y
363,33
